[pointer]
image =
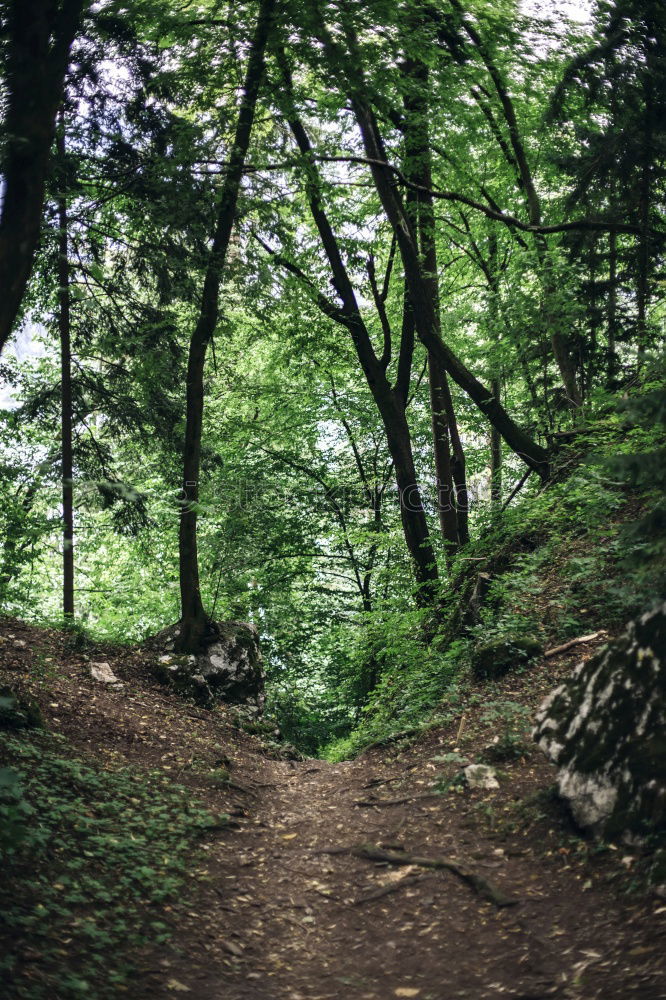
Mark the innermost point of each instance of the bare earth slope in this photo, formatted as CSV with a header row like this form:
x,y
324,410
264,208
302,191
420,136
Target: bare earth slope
x,y
280,908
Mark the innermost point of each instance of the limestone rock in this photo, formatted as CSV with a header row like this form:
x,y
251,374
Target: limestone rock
x,y
495,659
103,673
480,777
229,669
605,727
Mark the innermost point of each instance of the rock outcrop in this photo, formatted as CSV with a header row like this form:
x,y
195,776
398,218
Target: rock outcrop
x,y
605,729
228,670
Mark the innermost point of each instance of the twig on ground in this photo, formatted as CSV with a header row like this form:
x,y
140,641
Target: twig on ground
x,y
396,802
573,642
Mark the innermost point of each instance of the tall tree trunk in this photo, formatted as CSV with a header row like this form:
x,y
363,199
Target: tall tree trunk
x,y
64,328
495,458
425,316
457,467
418,168
390,402
39,36
412,513
495,384
611,315
446,506
194,620
644,204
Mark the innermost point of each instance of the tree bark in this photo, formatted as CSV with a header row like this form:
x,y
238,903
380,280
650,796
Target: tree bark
x,y
495,459
39,37
390,402
424,313
418,169
611,316
64,328
194,620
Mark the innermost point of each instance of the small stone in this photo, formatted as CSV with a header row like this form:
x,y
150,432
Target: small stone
x,y
481,777
103,673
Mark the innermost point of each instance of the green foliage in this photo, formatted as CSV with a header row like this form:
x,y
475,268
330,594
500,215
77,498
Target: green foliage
x,y
90,859
491,660
414,677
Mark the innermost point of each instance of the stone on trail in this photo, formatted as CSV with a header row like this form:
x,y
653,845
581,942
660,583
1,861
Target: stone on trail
x,y
605,729
480,777
229,669
103,673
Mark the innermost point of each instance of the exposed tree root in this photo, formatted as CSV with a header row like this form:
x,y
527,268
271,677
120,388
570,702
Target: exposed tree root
x,y
386,890
483,888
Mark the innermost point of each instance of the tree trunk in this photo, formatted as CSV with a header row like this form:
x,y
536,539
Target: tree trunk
x,y
446,507
194,620
425,317
420,208
495,459
39,36
64,328
390,402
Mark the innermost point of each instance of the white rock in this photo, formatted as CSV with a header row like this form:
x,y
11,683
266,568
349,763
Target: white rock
x,y
103,673
480,776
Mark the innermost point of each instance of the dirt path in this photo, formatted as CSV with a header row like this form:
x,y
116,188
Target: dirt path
x,y
268,916
284,922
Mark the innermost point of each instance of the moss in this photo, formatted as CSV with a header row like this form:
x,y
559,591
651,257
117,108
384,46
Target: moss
x,y
495,659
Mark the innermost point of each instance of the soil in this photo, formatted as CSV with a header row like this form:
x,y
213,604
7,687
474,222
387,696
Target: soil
x,y
279,908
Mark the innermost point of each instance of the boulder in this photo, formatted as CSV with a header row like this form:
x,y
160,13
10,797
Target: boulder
x,y
229,669
605,729
492,660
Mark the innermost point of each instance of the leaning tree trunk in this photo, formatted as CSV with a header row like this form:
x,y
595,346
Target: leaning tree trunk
x,y
38,37
64,328
425,317
194,620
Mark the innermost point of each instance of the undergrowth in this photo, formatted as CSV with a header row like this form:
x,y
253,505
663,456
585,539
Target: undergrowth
x,y
92,860
578,556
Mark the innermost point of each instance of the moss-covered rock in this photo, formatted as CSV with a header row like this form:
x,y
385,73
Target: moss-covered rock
x,y
494,659
229,669
605,729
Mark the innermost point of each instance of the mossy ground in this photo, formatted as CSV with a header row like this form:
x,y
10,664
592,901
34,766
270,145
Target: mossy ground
x,y
92,859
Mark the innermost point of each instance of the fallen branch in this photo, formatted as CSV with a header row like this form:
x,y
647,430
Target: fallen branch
x,y
517,488
573,642
476,882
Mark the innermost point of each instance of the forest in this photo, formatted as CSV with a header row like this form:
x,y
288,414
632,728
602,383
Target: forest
x,y
332,439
